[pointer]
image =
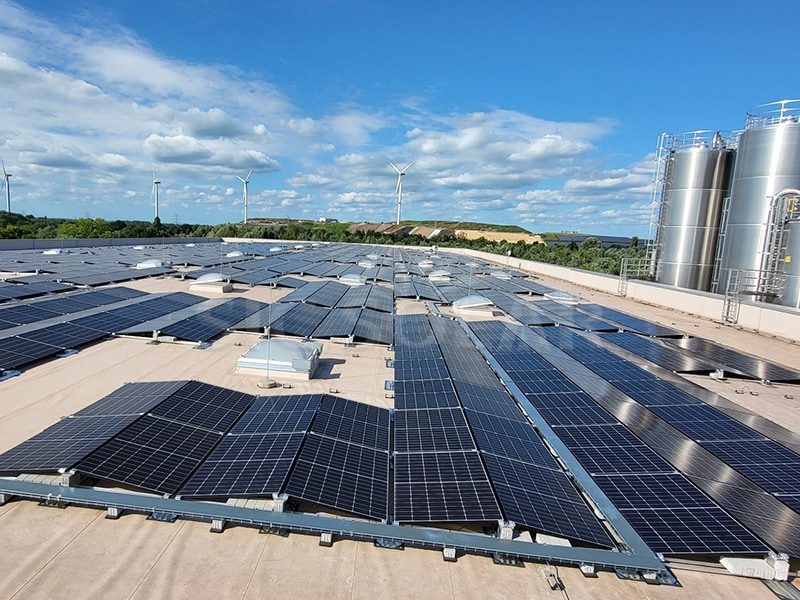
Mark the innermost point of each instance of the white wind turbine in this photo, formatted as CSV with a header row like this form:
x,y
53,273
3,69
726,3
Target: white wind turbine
x,y
244,192
399,187
154,193
7,184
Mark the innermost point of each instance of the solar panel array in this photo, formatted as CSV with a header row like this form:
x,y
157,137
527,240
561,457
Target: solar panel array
x,y
615,458
32,342
682,419
439,475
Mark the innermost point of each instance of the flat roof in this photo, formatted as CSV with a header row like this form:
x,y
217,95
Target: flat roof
x,y
76,552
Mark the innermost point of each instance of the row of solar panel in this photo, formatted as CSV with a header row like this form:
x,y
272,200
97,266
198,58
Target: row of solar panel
x,y
37,343
668,512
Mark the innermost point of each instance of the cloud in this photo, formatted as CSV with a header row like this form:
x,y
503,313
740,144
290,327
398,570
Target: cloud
x,y
177,148
88,106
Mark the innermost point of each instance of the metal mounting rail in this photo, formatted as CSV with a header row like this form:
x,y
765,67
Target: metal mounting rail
x,y
635,562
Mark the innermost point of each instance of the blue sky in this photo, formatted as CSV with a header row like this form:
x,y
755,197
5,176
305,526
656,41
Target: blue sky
x,y
544,115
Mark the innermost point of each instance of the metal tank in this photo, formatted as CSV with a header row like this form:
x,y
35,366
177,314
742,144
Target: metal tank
x,y
767,162
696,180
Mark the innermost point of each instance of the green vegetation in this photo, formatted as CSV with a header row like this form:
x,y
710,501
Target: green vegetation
x,y
590,255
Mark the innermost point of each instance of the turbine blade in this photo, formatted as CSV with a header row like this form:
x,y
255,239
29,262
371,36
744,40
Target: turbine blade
x,y
407,166
395,167
4,167
398,184
240,179
250,172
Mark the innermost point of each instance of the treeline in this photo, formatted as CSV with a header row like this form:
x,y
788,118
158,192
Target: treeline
x,y
590,255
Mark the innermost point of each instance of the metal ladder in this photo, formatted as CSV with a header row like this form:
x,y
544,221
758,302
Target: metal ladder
x,y
730,308
723,227
773,255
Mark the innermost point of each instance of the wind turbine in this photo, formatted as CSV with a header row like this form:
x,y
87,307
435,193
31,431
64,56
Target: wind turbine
x,y
399,187
154,193
6,176
244,193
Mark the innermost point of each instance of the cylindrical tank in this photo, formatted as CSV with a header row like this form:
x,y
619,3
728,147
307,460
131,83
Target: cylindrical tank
x,y
696,184
767,161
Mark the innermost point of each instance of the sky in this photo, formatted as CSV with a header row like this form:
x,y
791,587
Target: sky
x,y
542,115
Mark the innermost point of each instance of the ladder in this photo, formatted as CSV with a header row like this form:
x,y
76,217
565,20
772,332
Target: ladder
x,y
730,307
723,227
773,255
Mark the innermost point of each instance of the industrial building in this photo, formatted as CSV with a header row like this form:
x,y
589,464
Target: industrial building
x,y
598,442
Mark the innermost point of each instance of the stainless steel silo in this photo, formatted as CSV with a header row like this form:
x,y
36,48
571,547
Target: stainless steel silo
x,y
767,161
697,179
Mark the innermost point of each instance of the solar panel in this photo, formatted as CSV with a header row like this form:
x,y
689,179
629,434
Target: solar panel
x,y
354,297
509,438
340,322
62,445
380,298
374,326
16,352
206,406
154,454
692,531
132,399
283,414
328,295
342,475
301,321
755,367
442,486
544,500
427,393
353,422
630,322
63,335
245,466
658,353
302,293
431,430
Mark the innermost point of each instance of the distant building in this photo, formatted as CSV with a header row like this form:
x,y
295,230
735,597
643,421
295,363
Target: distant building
x,y
328,220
